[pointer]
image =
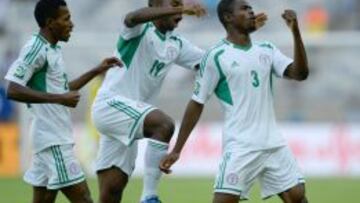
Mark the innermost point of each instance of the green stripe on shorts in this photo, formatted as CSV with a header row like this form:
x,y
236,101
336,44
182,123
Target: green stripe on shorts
x,y
57,164
62,163
158,146
61,184
222,170
124,109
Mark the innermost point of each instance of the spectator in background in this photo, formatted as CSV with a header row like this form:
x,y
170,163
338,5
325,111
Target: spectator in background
x,y
316,19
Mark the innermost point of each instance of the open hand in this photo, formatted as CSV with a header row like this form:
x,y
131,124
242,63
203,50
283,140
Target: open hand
x,y
168,161
290,18
260,20
194,10
108,63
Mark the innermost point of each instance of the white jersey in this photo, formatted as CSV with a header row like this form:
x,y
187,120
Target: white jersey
x,y
40,66
147,55
241,77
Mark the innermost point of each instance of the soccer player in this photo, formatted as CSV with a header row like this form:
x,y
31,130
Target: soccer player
x,y
38,78
123,110
239,70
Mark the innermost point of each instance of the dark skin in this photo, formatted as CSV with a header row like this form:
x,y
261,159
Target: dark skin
x,y
56,30
59,29
239,24
165,14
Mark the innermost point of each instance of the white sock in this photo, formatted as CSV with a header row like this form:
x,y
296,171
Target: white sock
x,y
155,151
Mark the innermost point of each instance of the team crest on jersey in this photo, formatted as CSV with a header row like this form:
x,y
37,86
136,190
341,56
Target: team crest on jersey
x,y
171,53
232,179
74,168
265,59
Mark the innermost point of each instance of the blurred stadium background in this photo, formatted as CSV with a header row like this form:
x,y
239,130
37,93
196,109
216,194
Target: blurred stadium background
x,y
320,117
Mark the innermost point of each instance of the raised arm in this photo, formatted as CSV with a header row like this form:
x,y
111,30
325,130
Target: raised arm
x,y
190,119
78,83
298,70
147,14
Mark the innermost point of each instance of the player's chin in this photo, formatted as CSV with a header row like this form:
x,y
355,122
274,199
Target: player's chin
x,y
66,38
252,29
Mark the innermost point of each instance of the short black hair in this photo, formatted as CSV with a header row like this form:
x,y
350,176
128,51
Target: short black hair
x,y
225,6
152,3
45,9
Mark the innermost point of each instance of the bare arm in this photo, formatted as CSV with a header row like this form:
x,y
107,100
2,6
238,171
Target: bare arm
x,y
299,69
78,83
24,94
190,119
147,14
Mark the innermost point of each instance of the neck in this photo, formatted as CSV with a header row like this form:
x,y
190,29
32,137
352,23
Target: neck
x,y
238,38
46,33
158,27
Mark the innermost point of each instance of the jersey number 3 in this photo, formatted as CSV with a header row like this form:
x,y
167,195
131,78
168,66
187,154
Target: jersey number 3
x,y
255,78
156,68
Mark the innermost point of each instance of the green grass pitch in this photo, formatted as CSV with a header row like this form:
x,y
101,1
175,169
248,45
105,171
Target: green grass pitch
x,y
196,190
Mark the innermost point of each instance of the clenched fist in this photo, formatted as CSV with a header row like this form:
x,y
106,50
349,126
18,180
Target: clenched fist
x,y
290,18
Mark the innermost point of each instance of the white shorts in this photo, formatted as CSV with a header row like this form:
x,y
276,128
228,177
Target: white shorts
x,y
54,168
112,152
276,169
120,118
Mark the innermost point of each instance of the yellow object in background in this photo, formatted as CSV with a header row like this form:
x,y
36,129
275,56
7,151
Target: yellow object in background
x,y
9,150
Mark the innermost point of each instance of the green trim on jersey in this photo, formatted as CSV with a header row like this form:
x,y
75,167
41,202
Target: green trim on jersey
x,y
127,48
41,38
34,51
237,46
266,45
222,89
178,40
161,36
206,56
38,79
271,80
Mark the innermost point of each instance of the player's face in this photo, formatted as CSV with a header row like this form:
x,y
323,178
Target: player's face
x,y
243,17
170,23
62,26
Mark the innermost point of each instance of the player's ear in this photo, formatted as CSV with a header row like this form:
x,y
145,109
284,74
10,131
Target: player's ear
x,y
49,22
227,17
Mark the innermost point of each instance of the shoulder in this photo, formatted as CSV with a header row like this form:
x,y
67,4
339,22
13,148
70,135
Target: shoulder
x,y
212,56
36,47
215,51
178,39
265,45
